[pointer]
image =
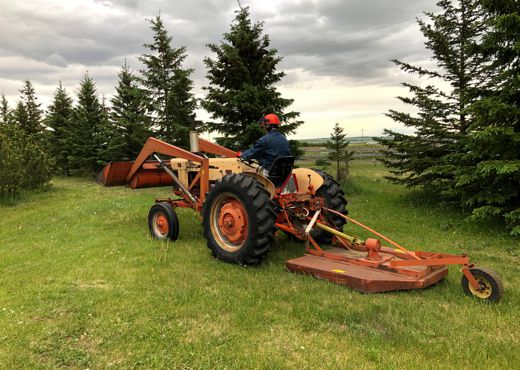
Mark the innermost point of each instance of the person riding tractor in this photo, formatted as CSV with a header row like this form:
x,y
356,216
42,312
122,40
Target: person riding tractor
x,y
270,146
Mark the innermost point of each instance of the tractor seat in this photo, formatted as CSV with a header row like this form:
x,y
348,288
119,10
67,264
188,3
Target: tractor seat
x,y
280,169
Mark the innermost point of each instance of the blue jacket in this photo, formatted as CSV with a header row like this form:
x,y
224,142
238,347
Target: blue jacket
x,y
269,147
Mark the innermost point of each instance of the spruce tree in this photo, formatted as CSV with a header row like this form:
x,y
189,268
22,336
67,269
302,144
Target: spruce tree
x,y
28,114
338,149
427,157
4,110
296,149
242,84
106,132
59,119
488,181
168,87
86,132
20,117
129,121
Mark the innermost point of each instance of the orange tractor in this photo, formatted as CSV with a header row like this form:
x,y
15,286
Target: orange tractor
x,y
241,210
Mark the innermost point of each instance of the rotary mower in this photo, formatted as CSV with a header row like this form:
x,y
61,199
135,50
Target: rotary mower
x,y
242,209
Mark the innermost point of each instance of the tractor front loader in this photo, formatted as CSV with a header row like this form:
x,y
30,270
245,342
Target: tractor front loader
x,y
241,210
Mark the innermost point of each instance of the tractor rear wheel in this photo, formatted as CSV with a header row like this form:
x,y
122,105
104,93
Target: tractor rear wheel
x,y
238,220
334,199
163,222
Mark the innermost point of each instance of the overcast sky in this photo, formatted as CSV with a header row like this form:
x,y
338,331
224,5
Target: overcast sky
x,y
336,53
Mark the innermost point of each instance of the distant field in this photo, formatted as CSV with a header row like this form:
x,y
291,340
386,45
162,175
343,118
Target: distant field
x,y
352,139
365,151
84,286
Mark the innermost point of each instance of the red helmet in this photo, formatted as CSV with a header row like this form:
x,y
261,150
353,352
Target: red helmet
x,y
271,119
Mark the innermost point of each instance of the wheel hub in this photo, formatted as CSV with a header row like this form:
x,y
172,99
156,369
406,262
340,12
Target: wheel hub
x,y
484,290
232,221
161,222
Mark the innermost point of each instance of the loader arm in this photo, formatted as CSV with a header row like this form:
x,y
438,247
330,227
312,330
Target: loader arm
x,y
154,145
212,148
140,173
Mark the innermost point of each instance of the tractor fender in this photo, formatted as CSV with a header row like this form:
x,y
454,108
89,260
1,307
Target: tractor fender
x,y
306,177
264,181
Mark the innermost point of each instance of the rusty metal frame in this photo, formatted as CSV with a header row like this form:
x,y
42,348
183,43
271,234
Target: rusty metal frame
x,y
194,181
212,148
156,146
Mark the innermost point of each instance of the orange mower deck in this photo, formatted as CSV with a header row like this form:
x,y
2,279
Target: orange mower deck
x,y
363,278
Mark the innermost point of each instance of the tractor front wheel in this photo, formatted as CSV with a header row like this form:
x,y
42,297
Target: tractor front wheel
x,y
163,222
238,220
490,285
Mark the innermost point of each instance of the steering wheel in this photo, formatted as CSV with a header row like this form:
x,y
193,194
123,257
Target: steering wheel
x,y
248,162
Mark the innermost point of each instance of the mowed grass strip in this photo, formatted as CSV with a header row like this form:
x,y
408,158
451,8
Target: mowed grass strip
x,y
83,285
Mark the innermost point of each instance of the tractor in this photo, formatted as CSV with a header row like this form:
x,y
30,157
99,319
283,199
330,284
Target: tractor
x,y
241,210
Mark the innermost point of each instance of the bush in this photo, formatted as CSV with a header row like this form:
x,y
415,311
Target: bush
x,y
321,162
24,162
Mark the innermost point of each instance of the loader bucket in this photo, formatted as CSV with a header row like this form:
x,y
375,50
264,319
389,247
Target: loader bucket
x,y
147,176
114,174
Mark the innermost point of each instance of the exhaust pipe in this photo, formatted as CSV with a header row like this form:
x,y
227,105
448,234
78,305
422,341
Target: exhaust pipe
x,y
194,142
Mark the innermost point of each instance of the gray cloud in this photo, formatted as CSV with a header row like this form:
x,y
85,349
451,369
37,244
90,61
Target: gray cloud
x,y
57,40
56,59
352,40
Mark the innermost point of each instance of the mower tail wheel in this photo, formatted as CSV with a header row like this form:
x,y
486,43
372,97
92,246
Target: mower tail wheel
x,y
238,220
163,222
491,288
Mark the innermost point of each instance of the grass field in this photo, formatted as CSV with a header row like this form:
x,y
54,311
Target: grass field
x,y
84,286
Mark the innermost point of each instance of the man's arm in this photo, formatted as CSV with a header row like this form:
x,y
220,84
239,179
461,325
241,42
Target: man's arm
x,y
255,151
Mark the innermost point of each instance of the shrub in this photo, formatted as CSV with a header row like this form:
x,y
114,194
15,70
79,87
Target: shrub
x,y
24,162
321,162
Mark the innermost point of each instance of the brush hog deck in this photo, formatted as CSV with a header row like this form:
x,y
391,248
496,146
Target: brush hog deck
x,y
361,278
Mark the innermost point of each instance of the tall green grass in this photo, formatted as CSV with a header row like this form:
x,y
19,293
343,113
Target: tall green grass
x,y
84,286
